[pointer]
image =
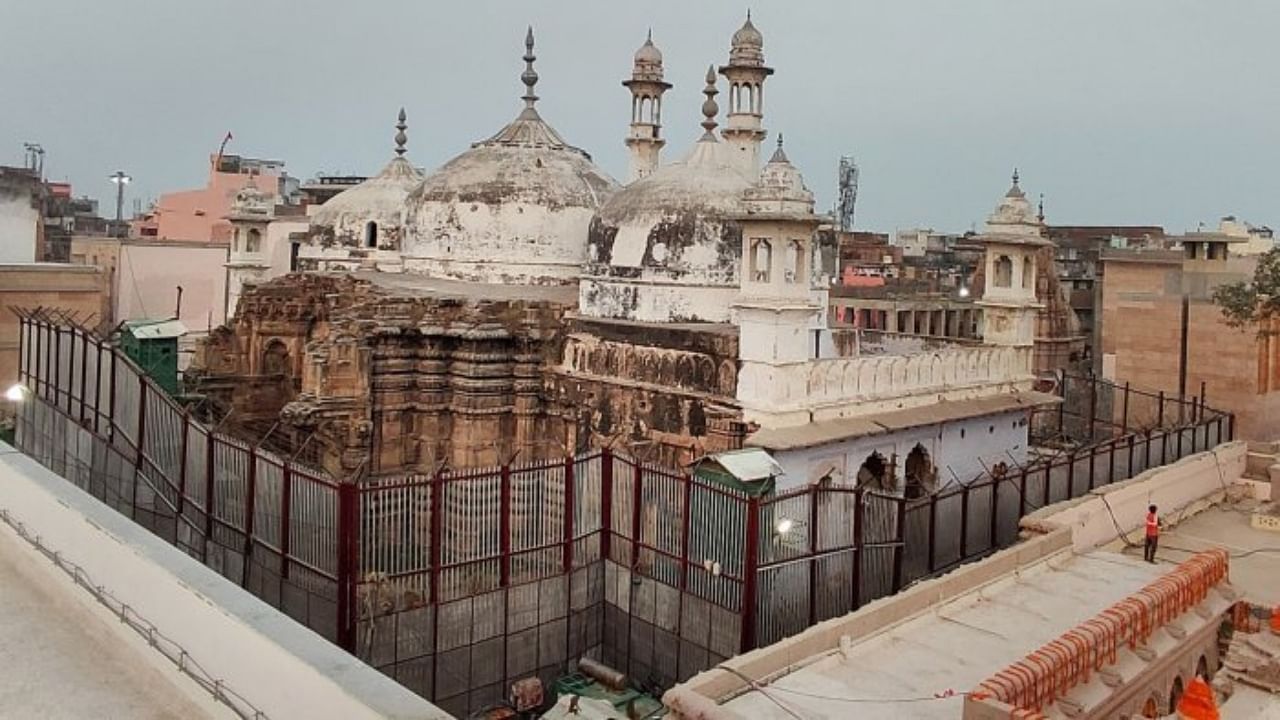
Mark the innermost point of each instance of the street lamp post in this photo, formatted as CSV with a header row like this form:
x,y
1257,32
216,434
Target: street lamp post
x,y
120,179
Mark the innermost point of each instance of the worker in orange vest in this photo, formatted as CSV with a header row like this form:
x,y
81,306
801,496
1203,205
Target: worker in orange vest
x,y
1153,535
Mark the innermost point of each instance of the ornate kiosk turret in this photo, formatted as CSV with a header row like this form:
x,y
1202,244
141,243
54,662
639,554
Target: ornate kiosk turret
x,y
1013,240
775,307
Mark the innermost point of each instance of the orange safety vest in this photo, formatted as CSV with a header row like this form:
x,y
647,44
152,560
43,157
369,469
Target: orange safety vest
x,y
1153,525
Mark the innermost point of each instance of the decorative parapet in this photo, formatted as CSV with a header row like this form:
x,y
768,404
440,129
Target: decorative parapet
x,y
1029,686
829,388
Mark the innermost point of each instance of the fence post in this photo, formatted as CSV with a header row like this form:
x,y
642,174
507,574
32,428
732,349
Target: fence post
x,y
1111,463
1022,495
964,521
1124,417
1180,434
251,497
1093,404
435,552
1231,426
859,507
504,525
569,502
57,366
84,373
813,552
637,497
182,471
900,549
1048,479
1093,456
208,493
286,505
686,519
750,565
606,503
142,440
1062,406
1071,474
22,355
111,398
348,549
933,532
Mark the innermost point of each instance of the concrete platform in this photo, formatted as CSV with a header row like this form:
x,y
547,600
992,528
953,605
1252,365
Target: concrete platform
x,y
897,674
61,659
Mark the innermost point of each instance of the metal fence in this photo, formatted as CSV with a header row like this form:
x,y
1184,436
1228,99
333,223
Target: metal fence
x,y
460,582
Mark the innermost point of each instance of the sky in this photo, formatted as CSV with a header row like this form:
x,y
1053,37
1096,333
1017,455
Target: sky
x,y
1119,111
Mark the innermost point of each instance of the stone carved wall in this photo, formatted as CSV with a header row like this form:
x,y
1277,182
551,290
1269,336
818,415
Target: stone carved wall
x,y
380,381
664,393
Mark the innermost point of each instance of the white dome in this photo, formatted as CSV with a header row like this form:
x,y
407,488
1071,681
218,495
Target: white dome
x,y
380,199
667,248
514,208
1014,215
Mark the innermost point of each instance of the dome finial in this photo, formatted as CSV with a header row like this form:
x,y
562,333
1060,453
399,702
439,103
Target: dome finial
x,y
1015,177
401,138
530,76
648,37
1040,209
709,107
779,156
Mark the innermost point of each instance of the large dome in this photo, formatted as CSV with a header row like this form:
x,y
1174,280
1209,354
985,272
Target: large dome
x,y
667,248
513,208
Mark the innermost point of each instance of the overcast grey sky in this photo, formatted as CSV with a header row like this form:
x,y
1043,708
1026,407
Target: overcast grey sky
x,y
1119,111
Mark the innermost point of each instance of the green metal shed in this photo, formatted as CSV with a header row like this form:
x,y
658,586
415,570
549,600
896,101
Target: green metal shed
x,y
153,344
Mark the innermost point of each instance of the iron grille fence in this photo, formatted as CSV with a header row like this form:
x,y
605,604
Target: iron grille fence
x,y
460,582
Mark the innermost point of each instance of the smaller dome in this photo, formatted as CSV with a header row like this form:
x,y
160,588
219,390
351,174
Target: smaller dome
x,y
748,36
250,201
780,189
747,46
1014,215
380,199
648,54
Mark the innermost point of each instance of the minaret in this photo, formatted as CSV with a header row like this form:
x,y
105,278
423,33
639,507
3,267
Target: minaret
x,y
746,73
1013,239
647,86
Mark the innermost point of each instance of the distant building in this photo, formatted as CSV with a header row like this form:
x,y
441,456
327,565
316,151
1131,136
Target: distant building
x,y
21,232
79,291
1260,239
201,215
1077,249
1157,309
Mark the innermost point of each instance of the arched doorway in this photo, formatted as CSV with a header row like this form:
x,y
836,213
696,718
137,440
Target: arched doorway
x,y
921,475
275,359
874,473
1202,668
371,235
1150,709
1175,694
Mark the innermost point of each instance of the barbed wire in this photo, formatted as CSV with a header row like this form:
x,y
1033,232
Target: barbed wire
x,y
166,646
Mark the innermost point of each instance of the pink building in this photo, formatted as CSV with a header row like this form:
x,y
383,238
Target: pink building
x,y
200,215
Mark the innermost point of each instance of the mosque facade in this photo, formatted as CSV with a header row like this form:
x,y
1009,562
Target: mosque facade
x,y
518,302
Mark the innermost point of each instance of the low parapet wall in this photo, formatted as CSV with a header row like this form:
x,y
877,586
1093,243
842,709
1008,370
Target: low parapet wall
x,y
701,695
279,666
1177,489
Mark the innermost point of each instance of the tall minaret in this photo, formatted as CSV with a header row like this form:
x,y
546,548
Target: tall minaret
x,y
746,73
646,86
